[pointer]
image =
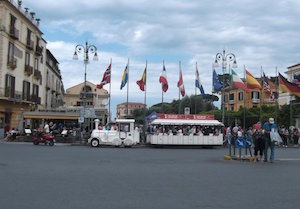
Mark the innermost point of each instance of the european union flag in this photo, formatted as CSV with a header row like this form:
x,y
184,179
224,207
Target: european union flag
x,y
217,85
124,77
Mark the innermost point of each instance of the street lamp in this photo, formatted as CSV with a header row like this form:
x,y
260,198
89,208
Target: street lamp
x,y
85,50
224,58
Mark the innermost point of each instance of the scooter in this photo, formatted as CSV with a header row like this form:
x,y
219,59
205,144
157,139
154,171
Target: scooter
x,y
47,139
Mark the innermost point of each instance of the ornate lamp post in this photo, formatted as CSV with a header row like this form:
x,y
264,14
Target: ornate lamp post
x,y
224,59
85,50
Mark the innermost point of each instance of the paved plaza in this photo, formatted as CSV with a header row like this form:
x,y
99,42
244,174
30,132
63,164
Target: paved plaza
x,y
73,177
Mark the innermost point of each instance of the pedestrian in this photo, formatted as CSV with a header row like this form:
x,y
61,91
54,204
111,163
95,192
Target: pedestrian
x,y
295,136
259,144
267,128
46,128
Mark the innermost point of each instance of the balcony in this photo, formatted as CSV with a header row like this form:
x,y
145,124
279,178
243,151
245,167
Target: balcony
x,y
13,33
231,102
48,86
39,50
29,44
12,64
8,94
28,70
255,101
269,100
89,96
37,74
36,99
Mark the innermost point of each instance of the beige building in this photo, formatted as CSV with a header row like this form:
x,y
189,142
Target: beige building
x,y
122,108
234,98
22,64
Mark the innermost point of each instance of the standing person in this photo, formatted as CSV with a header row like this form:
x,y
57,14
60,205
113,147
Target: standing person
x,y
267,128
47,128
295,136
259,144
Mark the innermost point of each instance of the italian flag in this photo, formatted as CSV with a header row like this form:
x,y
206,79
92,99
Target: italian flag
x,y
237,82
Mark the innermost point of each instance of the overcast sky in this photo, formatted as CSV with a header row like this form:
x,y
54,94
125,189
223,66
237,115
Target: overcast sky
x,y
260,33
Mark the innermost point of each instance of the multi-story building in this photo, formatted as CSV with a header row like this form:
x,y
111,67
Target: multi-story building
x,y
96,101
22,61
122,108
54,94
236,98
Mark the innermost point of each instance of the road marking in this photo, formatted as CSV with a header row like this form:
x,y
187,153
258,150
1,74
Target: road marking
x,y
289,159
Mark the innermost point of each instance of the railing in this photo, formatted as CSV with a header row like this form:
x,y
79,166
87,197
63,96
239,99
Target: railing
x,y
269,100
231,101
15,96
13,32
36,99
28,70
37,74
29,44
256,101
12,64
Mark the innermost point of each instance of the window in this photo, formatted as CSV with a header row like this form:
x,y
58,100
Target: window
x,y
26,90
225,98
231,96
10,52
36,64
27,59
254,95
9,86
241,95
12,24
35,90
28,37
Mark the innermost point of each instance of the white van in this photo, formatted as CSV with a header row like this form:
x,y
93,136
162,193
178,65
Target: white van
x,y
125,134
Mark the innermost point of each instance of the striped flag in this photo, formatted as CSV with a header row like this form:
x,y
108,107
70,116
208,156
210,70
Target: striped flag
x,y
163,80
106,77
267,87
198,82
180,84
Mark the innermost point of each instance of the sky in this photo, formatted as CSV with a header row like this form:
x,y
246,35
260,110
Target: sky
x,y
260,33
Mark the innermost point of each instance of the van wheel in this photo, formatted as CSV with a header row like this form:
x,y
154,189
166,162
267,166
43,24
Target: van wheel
x,y
95,143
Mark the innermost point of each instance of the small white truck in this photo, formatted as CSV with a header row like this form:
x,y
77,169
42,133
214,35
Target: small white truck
x,y
124,135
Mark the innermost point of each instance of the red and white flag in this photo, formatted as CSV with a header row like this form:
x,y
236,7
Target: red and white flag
x,y
180,84
106,77
163,80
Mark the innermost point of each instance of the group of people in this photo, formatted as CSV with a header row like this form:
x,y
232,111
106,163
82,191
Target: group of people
x,y
264,138
184,130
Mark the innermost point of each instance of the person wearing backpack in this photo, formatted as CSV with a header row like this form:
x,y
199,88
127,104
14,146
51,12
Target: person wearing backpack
x,y
267,128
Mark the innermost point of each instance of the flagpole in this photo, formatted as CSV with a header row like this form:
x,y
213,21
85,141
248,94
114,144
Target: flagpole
x,y
276,101
179,89
145,88
261,92
109,116
162,92
244,113
145,85
127,87
196,89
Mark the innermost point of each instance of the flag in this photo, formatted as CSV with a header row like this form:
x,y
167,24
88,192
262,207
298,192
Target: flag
x,y
163,80
252,83
142,83
267,87
180,84
198,82
287,86
106,77
237,82
296,79
217,85
124,77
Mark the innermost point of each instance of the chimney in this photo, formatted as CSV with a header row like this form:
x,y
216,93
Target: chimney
x,y
38,22
19,4
32,16
26,11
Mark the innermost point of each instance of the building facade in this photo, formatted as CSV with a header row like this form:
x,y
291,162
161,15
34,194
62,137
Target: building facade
x,y
234,99
22,63
54,90
122,108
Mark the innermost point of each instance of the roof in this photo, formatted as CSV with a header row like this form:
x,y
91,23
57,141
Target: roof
x,y
125,120
131,103
186,122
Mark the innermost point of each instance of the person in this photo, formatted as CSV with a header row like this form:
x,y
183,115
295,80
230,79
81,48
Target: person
x,y
295,136
46,128
267,128
259,144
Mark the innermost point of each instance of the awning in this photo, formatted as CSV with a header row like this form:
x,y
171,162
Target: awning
x,y
51,115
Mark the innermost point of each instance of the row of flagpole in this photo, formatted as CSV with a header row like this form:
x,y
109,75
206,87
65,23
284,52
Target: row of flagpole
x,y
236,82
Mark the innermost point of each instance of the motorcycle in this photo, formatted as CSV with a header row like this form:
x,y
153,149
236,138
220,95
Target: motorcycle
x,y
47,139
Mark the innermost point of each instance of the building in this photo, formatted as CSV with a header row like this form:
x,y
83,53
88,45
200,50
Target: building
x,y
22,64
234,98
122,109
96,101
54,92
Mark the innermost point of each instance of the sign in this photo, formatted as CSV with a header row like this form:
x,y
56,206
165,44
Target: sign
x,y
186,117
186,110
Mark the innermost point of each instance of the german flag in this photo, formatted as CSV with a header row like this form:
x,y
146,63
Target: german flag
x,y
287,86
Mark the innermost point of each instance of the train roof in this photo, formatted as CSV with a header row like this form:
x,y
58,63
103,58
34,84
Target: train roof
x,y
186,122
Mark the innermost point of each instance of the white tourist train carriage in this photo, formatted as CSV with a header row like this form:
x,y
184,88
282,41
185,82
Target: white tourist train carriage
x,y
173,121
124,134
